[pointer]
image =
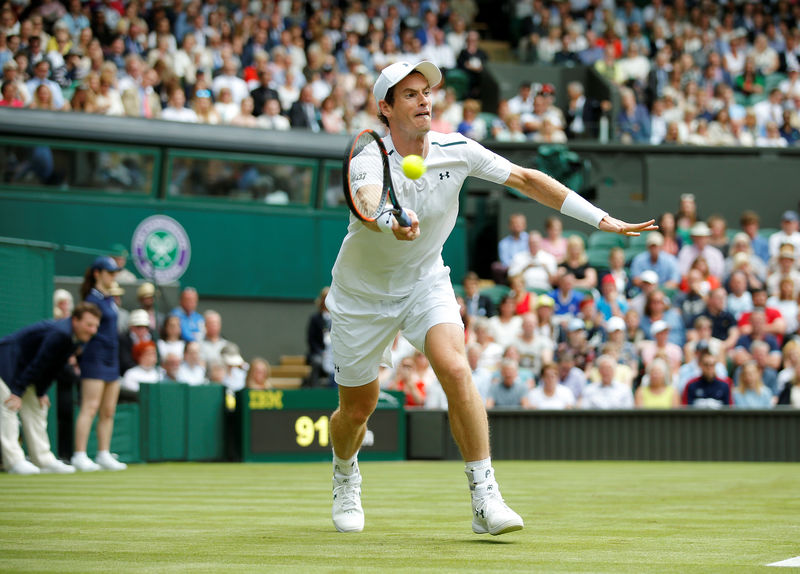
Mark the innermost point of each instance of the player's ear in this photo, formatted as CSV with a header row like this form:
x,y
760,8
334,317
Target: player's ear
x,y
385,108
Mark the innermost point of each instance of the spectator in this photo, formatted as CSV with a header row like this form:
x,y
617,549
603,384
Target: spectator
x,y
667,228
608,393
524,300
536,265
700,234
567,299
146,294
515,242
633,122
611,303
511,391
707,390
545,307
99,364
751,393
41,72
245,117
749,222
10,95
739,299
656,259
695,299
481,376
775,326
472,126
29,361
657,308
146,370
228,78
723,323
661,347
304,113
192,323
790,395
648,282
506,326
138,331
625,350
176,110
550,394
318,339
743,258
786,302
191,370
271,117
63,304
204,108
577,263
236,368
534,350
212,343
617,270
791,366
554,243
170,340
789,233
656,390
472,60
575,341
409,382
477,305
258,374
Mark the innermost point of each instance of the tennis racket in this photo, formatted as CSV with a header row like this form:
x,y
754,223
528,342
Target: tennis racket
x,y
367,180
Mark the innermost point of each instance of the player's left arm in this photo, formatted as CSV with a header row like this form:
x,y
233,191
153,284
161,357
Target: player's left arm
x,y
542,188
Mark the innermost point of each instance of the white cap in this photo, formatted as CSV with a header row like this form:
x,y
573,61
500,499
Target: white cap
x,y
139,318
700,229
615,324
649,276
658,326
392,75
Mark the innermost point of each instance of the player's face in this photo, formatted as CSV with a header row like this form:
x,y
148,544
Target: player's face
x,y
412,106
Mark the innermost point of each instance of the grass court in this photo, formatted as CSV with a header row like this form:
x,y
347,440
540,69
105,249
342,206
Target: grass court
x,y
579,517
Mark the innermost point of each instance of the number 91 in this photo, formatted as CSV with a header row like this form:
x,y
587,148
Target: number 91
x,y
306,429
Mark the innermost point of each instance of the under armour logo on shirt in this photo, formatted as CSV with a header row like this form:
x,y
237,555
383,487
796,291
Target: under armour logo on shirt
x,y
446,174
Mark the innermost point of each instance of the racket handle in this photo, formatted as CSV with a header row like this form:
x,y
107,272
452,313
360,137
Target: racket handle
x,y
403,220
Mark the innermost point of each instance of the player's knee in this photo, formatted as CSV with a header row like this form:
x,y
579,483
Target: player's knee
x,y
455,373
357,413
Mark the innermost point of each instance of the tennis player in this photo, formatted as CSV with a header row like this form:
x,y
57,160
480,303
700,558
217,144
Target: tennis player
x,y
389,278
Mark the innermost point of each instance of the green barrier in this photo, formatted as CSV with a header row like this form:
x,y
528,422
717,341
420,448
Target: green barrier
x,y
181,422
125,438
293,425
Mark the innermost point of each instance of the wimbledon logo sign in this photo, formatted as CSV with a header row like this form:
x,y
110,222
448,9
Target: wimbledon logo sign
x,y
161,249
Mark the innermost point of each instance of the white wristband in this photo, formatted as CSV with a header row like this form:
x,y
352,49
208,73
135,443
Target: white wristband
x,y
385,222
577,207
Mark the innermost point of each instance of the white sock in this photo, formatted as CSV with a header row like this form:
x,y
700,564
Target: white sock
x,y
478,472
345,466
103,453
79,453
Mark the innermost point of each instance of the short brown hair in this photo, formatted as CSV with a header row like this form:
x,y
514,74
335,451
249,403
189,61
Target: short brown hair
x,y
82,308
748,217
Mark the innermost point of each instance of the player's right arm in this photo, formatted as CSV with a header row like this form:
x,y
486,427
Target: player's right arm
x,y
546,190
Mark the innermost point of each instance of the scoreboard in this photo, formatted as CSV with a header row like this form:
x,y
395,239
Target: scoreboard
x,y
293,425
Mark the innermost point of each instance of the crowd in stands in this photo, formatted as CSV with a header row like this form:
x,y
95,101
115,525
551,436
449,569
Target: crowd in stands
x,y
695,314
698,73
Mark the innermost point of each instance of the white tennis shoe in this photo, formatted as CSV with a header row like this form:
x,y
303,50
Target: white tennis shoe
x,y
107,461
348,516
82,462
58,467
490,514
24,467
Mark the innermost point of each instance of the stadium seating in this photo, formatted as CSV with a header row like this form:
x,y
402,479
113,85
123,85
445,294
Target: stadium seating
x,y
603,240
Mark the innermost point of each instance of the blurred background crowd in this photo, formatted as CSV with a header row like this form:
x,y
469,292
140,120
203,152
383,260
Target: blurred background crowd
x,y
687,72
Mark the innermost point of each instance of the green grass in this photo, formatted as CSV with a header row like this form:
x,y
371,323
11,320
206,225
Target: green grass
x,y
579,516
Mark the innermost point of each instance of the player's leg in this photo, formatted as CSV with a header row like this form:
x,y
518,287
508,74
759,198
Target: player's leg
x,y
349,422
348,426
105,427
91,394
444,346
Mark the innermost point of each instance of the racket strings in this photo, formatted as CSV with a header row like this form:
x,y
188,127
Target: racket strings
x,y
366,187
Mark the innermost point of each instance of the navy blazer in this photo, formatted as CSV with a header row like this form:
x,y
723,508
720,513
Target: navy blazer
x,y
35,354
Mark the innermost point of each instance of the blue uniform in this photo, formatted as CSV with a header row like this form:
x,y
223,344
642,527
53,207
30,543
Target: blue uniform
x,y
708,394
34,355
100,357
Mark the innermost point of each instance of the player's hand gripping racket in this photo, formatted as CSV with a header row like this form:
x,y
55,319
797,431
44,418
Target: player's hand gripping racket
x,y
367,180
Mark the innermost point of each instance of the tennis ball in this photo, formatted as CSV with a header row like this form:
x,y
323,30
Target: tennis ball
x,y
414,166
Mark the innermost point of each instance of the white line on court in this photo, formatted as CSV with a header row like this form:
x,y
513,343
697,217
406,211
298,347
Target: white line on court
x,y
790,563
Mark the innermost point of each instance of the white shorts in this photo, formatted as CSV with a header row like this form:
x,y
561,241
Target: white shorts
x,y
362,330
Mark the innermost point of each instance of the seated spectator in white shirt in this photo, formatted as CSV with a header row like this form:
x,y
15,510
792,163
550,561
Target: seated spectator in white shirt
x,y
608,393
192,371
145,371
550,394
536,265
176,110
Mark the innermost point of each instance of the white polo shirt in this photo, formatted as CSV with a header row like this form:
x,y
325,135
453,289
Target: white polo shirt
x,y
377,265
